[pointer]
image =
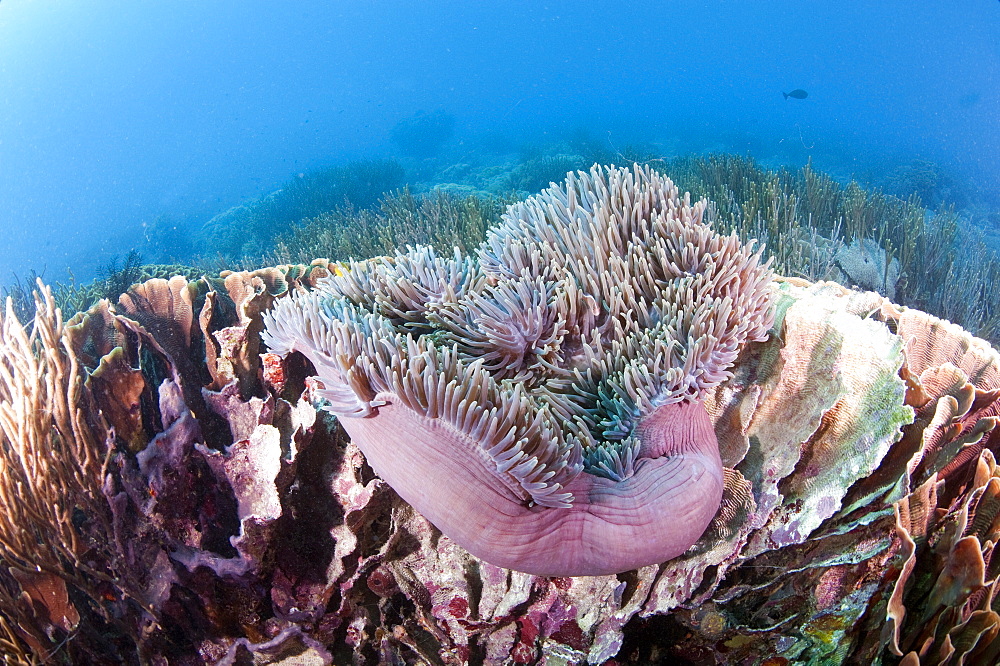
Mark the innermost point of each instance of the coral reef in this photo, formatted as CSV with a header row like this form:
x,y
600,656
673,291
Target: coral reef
x,y
113,440
437,218
185,501
807,219
114,278
788,210
19,293
540,171
928,180
248,230
946,262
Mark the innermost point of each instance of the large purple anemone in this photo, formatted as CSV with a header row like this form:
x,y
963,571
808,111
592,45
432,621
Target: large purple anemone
x,y
541,403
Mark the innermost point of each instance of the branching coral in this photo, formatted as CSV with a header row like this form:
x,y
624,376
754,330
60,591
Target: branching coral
x,y
438,218
53,443
942,265
52,450
542,405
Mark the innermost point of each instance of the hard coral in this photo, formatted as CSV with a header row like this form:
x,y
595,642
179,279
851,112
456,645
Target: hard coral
x,y
542,405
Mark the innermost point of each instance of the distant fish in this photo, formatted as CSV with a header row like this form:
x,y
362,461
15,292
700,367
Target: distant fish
x,y
969,100
798,93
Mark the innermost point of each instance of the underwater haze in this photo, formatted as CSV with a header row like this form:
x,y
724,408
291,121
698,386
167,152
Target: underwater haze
x,y
116,117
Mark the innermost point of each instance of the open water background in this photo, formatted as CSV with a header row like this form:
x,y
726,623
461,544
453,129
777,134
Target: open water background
x,y
115,113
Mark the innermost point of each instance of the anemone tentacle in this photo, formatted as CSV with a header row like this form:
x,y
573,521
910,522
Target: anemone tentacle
x,y
541,402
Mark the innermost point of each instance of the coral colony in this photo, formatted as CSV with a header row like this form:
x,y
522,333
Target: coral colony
x,y
608,435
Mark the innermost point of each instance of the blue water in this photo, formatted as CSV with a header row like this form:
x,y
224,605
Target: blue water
x,y
114,114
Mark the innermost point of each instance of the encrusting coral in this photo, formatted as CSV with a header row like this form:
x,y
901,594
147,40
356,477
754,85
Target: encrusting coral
x,y
542,405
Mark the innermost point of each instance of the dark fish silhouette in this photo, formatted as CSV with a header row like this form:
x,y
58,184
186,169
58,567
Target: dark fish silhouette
x,y
798,93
